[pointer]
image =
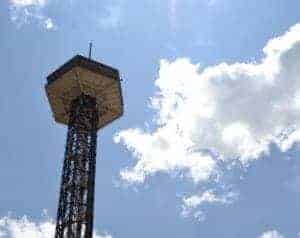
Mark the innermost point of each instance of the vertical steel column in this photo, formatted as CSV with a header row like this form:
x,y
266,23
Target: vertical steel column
x,y
76,201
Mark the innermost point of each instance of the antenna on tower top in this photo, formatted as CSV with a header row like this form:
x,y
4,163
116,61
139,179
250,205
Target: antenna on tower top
x,y
90,50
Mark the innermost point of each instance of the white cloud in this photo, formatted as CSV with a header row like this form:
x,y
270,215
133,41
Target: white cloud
x,y
24,228
207,197
25,3
26,11
49,24
271,234
231,110
163,151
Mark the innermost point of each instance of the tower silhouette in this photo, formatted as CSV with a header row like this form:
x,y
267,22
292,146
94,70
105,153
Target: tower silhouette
x,y
85,95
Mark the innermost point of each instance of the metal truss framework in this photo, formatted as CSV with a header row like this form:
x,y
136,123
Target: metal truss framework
x,y
76,201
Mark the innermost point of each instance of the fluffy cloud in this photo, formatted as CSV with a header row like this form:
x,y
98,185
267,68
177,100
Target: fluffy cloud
x,y
271,234
25,11
210,117
165,151
24,228
24,3
207,197
13,228
219,113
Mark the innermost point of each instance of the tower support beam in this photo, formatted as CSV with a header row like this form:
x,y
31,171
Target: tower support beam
x,y
76,201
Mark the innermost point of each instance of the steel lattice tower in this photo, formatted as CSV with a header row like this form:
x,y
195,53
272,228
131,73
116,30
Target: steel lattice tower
x,y
86,96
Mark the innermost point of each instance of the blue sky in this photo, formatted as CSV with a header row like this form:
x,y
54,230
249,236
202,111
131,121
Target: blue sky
x,y
207,146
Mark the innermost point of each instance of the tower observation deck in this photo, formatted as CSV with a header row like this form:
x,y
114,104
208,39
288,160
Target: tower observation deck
x,y
85,95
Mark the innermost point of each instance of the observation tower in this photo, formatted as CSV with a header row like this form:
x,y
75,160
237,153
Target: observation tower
x,y
85,95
